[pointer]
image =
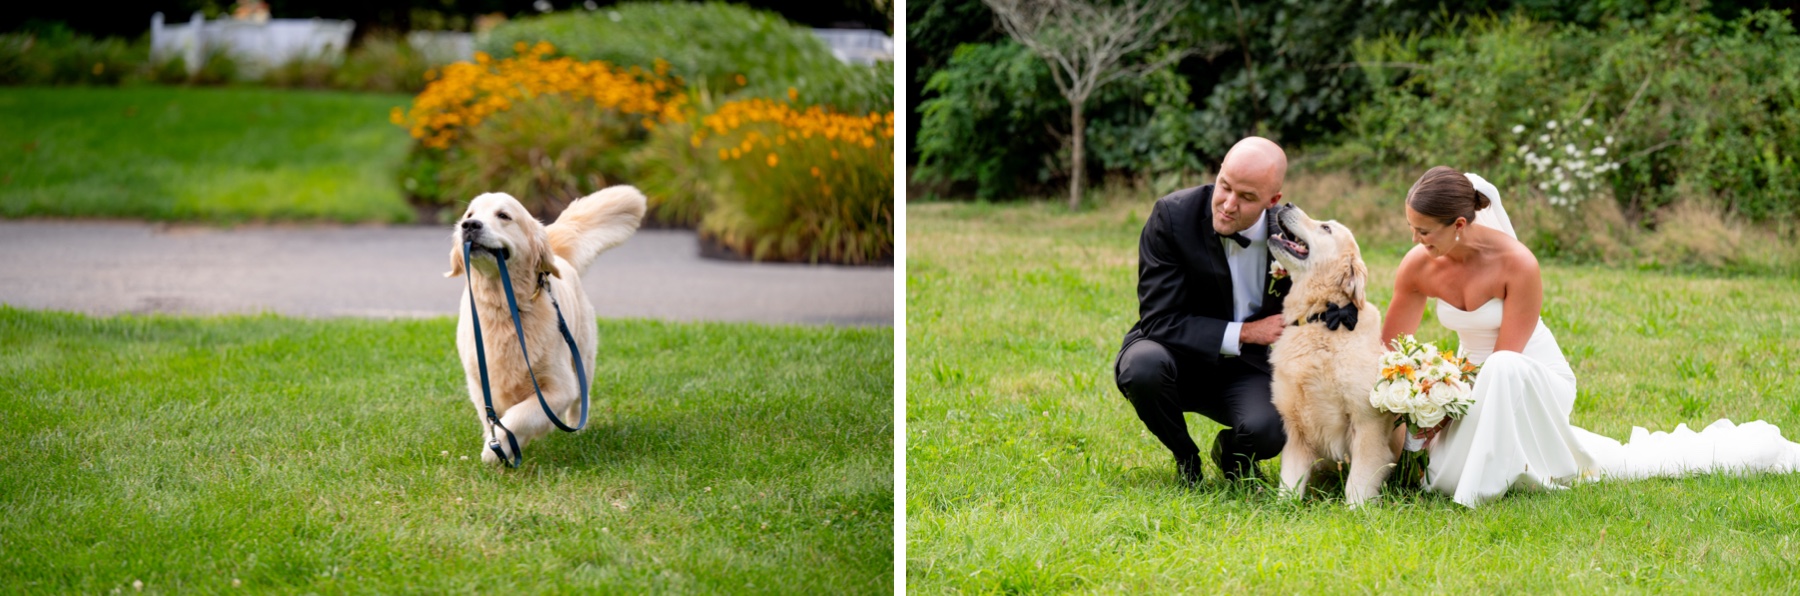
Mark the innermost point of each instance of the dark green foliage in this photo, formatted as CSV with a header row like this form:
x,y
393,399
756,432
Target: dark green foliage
x,y
994,124
1284,70
984,120
933,32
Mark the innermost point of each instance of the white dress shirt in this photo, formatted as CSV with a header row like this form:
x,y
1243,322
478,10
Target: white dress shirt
x,y
1248,264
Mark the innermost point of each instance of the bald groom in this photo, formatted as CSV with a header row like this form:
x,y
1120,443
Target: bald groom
x,y
1207,315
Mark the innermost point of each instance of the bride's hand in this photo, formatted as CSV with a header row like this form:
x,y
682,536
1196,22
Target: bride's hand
x,y
1430,433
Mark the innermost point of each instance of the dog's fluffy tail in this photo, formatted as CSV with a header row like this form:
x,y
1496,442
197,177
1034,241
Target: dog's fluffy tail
x,y
595,223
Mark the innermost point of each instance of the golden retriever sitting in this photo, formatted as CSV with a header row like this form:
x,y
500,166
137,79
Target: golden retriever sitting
x,y
1328,358
538,258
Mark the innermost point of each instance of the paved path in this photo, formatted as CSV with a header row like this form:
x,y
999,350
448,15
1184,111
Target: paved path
x,y
119,267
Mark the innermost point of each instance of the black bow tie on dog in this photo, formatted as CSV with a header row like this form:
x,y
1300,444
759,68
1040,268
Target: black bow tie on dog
x,y
1334,316
1238,238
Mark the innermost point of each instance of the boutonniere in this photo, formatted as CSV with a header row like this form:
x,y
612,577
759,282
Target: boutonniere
x,y
1276,273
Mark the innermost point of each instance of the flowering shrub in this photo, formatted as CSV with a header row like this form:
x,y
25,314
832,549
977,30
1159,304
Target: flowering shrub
x,y
1566,158
804,185
1702,109
547,152
463,94
719,47
762,177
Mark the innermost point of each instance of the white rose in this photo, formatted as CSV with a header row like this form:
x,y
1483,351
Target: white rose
x,y
1428,417
1444,393
1387,397
1378,397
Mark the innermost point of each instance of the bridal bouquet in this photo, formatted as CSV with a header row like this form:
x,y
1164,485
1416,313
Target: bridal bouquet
x,y
1424,385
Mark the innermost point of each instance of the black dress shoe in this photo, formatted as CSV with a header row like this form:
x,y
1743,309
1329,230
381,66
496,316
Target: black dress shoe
x,y
1190,469
1234,466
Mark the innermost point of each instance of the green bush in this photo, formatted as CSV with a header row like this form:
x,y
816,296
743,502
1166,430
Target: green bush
x,y
1699,108
546,152
718,47
993,122
983,122
303,72
382,63
59,57
674,174
217,67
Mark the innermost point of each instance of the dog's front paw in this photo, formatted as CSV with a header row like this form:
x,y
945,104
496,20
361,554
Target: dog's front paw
x,y
488,455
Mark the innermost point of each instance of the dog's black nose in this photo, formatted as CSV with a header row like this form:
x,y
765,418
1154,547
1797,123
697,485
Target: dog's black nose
x,y
470,225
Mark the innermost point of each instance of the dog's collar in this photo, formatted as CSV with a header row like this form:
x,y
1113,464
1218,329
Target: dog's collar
x,y
543,281
1333,316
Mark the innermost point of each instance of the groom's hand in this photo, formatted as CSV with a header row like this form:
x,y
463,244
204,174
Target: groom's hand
x,y
1263,331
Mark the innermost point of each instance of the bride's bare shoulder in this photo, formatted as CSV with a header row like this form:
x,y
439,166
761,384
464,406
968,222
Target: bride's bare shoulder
x,y
1412,266
1415,259
1515,254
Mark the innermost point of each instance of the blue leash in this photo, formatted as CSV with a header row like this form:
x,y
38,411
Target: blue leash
x,y
487,395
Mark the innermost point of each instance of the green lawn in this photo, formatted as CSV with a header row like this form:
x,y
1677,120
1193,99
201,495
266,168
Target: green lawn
x,y
193,454
225,155
1027,471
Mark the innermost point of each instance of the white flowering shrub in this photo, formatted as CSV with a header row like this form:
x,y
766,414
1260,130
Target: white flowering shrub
x,y
1566,159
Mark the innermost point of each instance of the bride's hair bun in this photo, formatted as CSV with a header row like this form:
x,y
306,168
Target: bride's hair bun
x,y
1445,194
1481,200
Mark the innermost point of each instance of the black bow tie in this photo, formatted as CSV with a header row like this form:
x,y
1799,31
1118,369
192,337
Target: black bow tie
x,y
1241,241
1335,316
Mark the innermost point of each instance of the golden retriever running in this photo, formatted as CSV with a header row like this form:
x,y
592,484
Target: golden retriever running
x,y
538,258
1328,359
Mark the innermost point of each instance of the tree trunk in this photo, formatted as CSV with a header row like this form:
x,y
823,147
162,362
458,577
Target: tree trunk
x,y
1079,159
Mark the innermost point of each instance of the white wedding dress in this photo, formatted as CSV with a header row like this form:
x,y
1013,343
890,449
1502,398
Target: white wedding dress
x,y
1518,433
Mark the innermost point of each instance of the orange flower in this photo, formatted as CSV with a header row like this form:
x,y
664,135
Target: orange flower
x,y
463,94
772,160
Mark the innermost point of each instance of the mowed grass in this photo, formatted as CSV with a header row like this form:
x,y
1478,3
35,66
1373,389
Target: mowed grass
x,y
198,455
221,155
1027,471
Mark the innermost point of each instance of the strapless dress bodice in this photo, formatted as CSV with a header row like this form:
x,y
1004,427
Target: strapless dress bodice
x,y
1479,330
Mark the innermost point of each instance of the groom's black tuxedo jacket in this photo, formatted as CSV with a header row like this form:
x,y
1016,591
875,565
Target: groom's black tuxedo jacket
x,y
1184,285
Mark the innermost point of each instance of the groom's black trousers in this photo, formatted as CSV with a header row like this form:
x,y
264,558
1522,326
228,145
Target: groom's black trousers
x,y
1161,387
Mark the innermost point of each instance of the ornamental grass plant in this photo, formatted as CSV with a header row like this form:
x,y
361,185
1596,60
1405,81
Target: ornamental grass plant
x,y
804,185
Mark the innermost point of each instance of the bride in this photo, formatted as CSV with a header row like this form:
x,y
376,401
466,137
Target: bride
x,y
1489,291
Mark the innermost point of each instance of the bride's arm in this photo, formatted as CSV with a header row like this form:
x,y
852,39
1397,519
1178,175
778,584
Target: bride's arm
x,y
1524,299
1408,307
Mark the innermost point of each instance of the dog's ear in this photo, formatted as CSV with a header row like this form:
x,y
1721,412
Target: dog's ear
x,y
543,259
1355,281
456,261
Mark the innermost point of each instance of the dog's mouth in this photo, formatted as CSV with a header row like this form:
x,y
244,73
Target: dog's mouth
x,y
1284,239
478,246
